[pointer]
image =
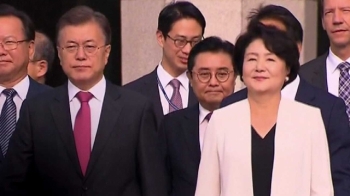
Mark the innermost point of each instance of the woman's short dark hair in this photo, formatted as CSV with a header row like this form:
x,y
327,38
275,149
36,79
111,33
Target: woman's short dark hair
x,y
174,12
211,44
275,41
82,14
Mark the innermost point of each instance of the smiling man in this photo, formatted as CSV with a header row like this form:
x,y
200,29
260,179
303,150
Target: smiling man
x,y
331,70
180,26
16,50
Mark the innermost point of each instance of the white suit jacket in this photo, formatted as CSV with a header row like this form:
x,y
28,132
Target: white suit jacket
x,y
301,164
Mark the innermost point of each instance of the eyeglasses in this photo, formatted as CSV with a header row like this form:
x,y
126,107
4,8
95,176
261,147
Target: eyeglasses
x,y
205,76
88,49
11,44
181,42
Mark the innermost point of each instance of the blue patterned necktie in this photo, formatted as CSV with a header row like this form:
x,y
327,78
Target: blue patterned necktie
x,y
7,119
344,84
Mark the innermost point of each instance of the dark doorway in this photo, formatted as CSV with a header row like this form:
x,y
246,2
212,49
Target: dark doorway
x,y
45,14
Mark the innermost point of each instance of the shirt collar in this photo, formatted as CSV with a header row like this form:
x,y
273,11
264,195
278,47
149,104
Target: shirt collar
x,y
165,77
291,89
98,91
202,113
21,88
334,61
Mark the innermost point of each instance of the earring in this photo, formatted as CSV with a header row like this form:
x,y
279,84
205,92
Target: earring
x,y
287,78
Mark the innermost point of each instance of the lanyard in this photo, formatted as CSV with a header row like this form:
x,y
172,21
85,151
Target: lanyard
x,y
166,96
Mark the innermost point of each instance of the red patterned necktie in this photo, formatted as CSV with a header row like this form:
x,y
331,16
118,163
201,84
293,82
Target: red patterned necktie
x,y
176,97
82,130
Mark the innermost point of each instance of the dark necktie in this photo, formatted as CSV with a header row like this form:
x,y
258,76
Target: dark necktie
x,y
176,99
208,116
82,130
7,119
344,84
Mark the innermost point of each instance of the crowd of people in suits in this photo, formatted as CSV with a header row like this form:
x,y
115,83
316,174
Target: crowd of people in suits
x,y
181,130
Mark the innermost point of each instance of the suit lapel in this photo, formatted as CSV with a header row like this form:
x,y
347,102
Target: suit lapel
x,y
319,78
192,99
190,128
287,142
33,88
151,89
110,112
238,129
61,114
305,93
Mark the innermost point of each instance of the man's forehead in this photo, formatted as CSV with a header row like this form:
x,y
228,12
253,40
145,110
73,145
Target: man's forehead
x,y
11,26
81,33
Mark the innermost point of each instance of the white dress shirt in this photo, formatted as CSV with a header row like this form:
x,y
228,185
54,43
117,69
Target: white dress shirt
x,y
203,123
22,90
165,78
333,73
290,91
98,91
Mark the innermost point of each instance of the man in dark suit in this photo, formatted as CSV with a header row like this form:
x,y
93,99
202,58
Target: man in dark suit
x,y
212,76
180,26
332,108
330,71
87,137
16,49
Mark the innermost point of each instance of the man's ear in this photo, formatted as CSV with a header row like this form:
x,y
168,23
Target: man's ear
x,y
300,46
160,38
42,68
31,47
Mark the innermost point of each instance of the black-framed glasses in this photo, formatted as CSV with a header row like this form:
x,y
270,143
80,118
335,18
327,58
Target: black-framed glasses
x,y
11,44
88,49
182,42
205,76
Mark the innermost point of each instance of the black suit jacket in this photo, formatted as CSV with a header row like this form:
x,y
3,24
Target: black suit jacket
x,y
315,72
148,86
34,89
125,160
336,124
179,139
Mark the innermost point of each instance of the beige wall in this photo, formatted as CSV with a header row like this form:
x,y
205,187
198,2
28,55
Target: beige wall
x,y
225,18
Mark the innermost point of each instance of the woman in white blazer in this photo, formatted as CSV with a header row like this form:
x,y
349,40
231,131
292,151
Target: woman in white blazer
x,y
265,145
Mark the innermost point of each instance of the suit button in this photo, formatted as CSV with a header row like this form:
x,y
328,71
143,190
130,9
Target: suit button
x,y
85,188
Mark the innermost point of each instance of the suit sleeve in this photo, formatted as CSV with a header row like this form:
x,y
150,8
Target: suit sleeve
x,y
208,182
339,148
19,157
321,177
151,168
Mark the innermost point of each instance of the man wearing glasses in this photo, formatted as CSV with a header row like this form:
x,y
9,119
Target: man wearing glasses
x,y
16,49
88,136
180,26
212,75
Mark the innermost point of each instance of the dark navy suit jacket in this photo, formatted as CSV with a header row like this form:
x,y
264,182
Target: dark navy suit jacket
x,y
35,88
